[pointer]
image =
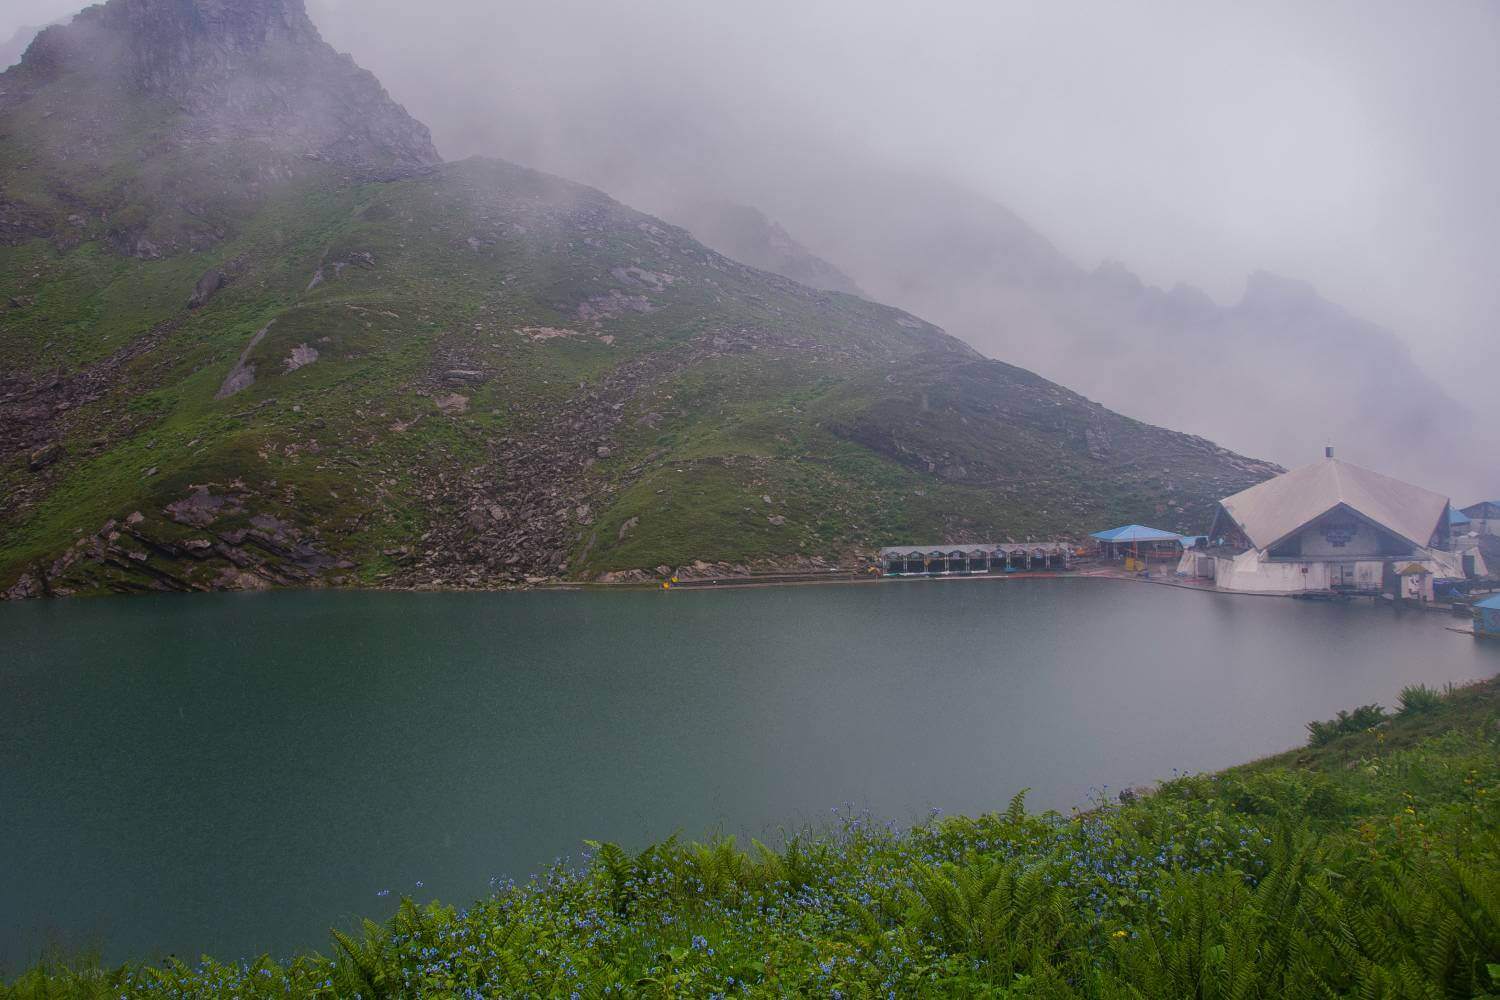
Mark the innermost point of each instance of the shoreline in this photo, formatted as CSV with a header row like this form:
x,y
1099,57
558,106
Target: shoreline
x,y
854,579
765,581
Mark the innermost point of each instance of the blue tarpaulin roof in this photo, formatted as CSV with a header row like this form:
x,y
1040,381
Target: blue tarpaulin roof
x,y
1459,517
1136,533
1492,604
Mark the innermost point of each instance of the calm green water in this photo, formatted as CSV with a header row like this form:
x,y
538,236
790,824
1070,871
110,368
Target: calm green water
x,y
234,774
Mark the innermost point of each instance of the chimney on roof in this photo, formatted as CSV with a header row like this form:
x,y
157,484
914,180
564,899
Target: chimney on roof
x,y
1328,452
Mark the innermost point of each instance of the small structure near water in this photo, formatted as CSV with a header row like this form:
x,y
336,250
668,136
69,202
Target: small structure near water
x,y
1487,618
979,559
1139,543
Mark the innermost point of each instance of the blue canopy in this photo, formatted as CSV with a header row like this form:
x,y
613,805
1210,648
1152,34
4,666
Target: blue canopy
x,y
1492,604
1136,533
1457,516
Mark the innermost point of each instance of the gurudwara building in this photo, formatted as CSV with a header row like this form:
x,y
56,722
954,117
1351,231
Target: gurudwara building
x,y
1330,527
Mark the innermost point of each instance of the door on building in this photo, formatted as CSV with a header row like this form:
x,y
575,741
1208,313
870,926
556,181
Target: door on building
x,y
1342,576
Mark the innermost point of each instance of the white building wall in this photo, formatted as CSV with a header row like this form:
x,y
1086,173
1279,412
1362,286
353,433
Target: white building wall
x,y
1247,573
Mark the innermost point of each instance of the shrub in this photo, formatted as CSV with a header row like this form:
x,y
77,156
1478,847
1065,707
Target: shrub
x,y
1362,718
1419,698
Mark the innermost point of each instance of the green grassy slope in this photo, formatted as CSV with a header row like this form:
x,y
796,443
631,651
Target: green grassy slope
x,y
1366,867
624,399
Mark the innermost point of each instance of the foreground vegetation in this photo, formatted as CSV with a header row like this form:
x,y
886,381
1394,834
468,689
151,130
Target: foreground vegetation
x,y
1367,865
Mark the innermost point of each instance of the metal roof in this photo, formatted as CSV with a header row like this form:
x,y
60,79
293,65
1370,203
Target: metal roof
x,y
1490,603
1136,533
1276,509
982,548
1459,517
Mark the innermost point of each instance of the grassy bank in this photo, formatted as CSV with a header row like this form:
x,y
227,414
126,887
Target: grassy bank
x,y
1365,865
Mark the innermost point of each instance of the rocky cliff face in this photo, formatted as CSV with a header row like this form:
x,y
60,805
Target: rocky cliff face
x,y
239,69
162,124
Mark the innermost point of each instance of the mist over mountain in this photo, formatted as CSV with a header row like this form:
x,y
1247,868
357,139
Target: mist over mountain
x,y
1281,371
745,234
890,146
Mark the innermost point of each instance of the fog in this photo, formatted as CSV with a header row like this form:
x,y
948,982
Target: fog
x,y
1351,144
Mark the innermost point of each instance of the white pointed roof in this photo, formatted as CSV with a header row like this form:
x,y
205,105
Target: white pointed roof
x,y
1278,508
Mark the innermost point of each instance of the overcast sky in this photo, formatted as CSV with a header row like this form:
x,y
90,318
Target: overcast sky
x,y
1352,143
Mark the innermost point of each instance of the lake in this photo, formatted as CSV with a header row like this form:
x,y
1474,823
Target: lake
x,y
236,773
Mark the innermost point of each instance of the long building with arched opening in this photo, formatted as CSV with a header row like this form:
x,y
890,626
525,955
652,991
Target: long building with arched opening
x,y
974,559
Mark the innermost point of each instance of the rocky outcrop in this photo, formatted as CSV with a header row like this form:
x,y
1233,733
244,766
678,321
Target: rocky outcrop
x,y
230,548
44,456
300,357
241,89
241,69
207,287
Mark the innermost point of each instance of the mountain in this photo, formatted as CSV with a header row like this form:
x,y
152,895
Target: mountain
x,y
1281,372
156,127
254,333
12,50
746,235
